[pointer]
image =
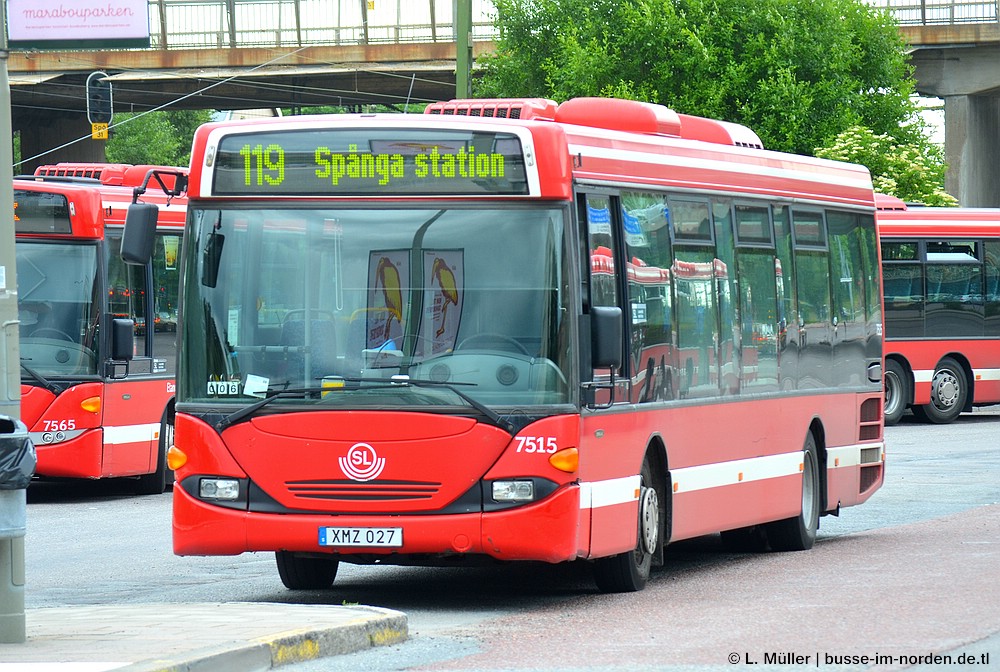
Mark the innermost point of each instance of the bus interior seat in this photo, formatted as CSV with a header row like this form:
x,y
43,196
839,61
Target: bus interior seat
x,y
322,347
358,328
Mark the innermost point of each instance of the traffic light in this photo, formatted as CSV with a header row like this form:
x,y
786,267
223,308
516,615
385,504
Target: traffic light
x,y
99,103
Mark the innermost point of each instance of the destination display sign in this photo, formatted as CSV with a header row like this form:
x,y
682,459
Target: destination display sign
x,y
41,212
370,162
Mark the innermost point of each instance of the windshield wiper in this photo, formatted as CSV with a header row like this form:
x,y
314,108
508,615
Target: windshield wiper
x,y
249,409
41,380
492,415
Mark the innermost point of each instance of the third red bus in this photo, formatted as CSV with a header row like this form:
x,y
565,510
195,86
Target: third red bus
x,y
941,270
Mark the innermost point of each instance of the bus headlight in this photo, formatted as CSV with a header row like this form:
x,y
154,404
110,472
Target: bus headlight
x,y
513,491
227,489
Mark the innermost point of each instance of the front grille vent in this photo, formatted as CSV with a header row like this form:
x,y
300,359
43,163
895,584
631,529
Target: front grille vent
x,y
368,491
869,477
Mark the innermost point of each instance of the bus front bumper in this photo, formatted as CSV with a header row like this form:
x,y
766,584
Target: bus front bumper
x,y
548,531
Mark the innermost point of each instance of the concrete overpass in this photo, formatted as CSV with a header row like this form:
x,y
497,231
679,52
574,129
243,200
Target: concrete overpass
x,y
960,63
220,54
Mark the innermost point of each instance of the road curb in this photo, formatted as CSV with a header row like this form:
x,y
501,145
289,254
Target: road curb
x,y
384,627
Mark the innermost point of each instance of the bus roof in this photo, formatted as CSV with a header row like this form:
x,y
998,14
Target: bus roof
x,y
586,140
96,195
897,219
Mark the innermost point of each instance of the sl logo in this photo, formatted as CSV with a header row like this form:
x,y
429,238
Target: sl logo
x,y
362,463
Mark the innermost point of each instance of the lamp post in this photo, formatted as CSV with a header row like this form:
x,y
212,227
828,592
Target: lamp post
x,y
12,623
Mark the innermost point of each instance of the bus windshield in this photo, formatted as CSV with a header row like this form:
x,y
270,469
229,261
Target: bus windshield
x,y
473,300
58,307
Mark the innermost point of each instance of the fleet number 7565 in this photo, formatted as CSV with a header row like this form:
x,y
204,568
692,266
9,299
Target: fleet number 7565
x,y
536,444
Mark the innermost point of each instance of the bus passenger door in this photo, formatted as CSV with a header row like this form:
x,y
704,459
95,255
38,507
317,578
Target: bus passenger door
x,y
604,290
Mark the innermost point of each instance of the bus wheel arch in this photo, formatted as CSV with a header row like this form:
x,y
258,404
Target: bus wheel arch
x,y
951,391
629,571
898,389
156,483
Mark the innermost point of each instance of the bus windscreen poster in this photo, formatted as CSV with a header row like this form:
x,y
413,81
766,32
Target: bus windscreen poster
x,y
371,162
77,24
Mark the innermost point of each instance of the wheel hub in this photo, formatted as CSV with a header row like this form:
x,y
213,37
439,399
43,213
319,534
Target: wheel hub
x,y
649,530
945,389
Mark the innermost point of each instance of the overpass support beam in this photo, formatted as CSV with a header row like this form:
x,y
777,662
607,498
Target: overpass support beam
x,y
972,143
53,138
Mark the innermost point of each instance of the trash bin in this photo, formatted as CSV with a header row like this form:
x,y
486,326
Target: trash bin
x,y
17,465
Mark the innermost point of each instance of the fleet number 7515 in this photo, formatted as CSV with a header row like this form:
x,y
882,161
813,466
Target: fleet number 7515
x,y
536,444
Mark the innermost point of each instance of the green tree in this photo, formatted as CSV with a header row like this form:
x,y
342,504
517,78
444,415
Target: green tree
x,y
157,138
912,171
798,72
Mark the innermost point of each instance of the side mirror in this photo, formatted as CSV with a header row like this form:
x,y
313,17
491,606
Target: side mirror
x,y
140,233
210,258
122,339
606,327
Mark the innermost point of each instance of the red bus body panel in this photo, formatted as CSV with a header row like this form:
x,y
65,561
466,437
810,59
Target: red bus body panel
x,y
118,440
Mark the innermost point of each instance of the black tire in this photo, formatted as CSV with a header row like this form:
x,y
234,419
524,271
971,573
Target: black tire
x,y
300,572
799,532
949,392
628,572
156,482
897,392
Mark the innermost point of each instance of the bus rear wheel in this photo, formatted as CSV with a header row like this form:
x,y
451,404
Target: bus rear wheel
x,y
628,572
799,532
897,392
303,572
949,391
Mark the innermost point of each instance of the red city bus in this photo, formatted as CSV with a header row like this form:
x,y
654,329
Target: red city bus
x,y
96,336
941,272
436,338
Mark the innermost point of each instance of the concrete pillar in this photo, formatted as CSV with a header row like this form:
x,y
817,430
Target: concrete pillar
x,y
56,137
972,145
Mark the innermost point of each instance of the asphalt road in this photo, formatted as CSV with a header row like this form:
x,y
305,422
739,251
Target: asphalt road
x,y
914,570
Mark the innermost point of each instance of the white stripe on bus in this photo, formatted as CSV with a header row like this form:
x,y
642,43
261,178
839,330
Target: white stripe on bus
x,y
705,476
927,375
131,433
597,494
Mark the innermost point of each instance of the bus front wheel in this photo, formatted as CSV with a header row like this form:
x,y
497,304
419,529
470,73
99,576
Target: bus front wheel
x,y
897,392
949,390
303,572
629,571
799,533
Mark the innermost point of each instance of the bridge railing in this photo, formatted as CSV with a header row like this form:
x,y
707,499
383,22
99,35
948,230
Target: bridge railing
x,y
214,24
936,12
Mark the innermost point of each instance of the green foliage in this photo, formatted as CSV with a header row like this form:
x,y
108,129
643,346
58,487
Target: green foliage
x,y
911,171
798,72
157,138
